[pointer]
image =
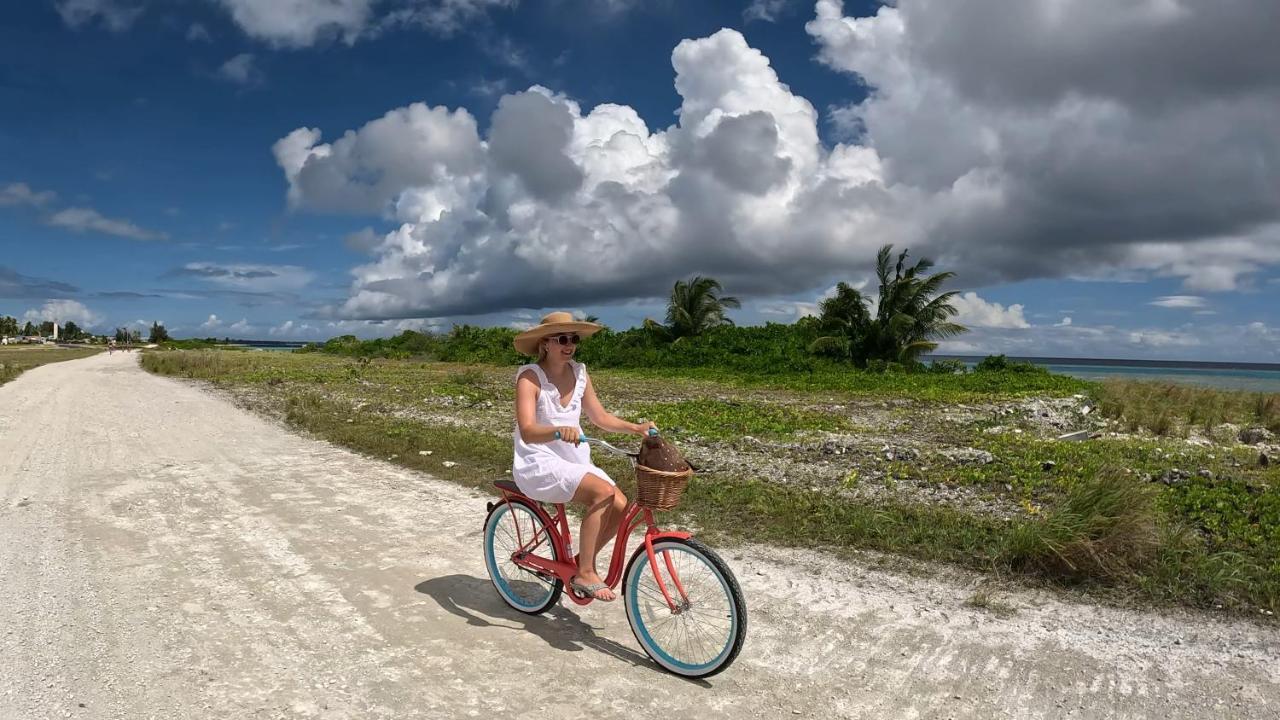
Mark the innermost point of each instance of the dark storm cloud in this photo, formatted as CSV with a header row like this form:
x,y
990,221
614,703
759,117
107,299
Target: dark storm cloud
x,y
16,285
1072,139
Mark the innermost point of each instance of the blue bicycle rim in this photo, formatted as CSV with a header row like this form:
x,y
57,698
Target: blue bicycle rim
x,y
498,580
647,640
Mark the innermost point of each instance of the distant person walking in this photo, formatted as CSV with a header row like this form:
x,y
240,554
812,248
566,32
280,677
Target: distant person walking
x,y
551,463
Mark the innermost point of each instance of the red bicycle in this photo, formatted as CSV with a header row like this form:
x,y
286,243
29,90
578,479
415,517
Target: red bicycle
x,y
683,602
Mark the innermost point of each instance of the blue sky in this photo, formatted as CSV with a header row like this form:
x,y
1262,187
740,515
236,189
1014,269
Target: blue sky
x,y
145,173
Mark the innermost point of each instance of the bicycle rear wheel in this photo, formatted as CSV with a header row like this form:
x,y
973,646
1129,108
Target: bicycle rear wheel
x,y
704,634
508,526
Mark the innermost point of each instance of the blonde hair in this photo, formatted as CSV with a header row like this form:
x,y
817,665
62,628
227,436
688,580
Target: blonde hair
x,y
542,349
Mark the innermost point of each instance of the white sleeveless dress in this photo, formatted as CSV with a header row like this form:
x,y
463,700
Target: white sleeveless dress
x,y
551,472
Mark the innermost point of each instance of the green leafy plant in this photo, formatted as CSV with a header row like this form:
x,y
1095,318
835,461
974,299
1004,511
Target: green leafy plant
x,y
911,315
948,366
1000,363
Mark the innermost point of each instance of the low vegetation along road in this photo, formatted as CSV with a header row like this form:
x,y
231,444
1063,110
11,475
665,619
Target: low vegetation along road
x,y
165,554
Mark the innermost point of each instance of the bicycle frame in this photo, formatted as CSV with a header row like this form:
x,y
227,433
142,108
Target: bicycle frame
x,y
558,530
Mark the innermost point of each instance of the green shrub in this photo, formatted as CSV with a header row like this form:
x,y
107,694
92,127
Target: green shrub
x,y
771,349
1000,363
190,344
949,366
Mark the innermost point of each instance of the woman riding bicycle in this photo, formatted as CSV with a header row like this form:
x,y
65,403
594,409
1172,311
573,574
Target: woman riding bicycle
x,y
551,464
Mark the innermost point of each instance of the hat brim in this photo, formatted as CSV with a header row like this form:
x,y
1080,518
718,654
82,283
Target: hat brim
x,y
527,342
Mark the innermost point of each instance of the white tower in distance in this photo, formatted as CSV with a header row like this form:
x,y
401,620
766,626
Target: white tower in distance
x,y
55,330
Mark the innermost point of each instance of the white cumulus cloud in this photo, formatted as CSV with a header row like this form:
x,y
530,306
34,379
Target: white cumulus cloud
x,y
1179,301
299,23
973,311
417,156
62,312
289,329
513,219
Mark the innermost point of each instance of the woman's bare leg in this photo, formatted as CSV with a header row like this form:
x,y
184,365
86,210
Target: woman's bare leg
x,y
613,518
597,495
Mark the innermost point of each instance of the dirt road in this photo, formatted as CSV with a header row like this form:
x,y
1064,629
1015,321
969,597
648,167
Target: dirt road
x,y
164,554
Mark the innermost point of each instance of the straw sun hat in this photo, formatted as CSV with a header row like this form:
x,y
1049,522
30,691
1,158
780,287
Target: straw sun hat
x,y
552,324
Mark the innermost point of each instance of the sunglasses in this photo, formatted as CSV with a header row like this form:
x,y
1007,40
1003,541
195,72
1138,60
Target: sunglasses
x,y
566,339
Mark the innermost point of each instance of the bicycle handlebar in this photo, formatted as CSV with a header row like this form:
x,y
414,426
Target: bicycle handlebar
x,y
653,432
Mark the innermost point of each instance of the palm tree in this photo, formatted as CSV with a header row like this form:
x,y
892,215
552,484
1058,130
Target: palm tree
x,y
845,319
910,314
596,319
696,305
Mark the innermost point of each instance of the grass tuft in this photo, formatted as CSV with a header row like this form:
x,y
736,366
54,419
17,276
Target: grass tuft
x,y
1105,527
985,599
1165,408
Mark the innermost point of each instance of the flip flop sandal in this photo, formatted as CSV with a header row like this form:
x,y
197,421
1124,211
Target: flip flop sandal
x,y
590,590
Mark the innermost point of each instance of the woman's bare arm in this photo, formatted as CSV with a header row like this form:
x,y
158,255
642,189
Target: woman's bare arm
x,y
605,420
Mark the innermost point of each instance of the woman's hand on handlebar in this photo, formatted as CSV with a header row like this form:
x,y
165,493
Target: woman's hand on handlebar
x,y
568,434
645,427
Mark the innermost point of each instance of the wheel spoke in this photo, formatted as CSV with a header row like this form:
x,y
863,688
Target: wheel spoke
x,y
527,588
703,627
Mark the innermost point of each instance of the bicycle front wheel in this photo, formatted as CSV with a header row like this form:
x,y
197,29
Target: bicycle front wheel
x,y
512,527
704,633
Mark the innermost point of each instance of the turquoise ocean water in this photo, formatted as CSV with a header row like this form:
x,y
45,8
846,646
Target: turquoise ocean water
x,y
1226,378
1254,377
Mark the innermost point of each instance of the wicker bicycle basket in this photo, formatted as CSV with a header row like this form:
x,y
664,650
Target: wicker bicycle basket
x,y
659,489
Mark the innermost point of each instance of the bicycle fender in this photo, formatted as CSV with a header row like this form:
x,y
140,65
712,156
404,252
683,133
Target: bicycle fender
x,y
669,535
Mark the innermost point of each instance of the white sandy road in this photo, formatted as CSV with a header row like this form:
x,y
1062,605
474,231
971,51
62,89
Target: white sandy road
x,y
164,554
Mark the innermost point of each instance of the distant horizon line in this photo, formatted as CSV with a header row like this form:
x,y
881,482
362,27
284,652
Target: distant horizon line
x,y
1038,359
1130,362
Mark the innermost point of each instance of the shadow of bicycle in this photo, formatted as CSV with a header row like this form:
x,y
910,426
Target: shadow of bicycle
x,y
562,629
